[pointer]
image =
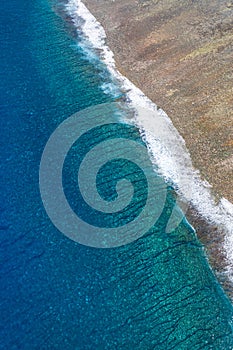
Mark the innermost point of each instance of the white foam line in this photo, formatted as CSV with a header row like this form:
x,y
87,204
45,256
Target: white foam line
x,y
166,146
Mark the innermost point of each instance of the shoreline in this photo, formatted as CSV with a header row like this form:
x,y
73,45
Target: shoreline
x,y
184,65
210,234
212,238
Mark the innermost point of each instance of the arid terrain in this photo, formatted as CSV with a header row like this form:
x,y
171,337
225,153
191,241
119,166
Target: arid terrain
x,y
180,54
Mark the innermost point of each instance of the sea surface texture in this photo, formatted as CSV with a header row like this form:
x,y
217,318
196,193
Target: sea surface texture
x,y
157,292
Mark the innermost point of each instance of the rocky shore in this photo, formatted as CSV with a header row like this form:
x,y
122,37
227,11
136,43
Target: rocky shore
x,y
180,54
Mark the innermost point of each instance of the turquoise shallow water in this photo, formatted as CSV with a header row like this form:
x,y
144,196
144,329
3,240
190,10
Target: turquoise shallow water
x,y
156,293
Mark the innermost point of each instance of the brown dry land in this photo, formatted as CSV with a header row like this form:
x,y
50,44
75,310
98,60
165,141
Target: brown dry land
x,y
180,54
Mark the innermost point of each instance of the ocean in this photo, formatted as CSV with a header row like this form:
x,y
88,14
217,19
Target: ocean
x,y
156,291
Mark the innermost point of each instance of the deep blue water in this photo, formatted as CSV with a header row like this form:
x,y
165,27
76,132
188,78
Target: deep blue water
x,y
155,293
